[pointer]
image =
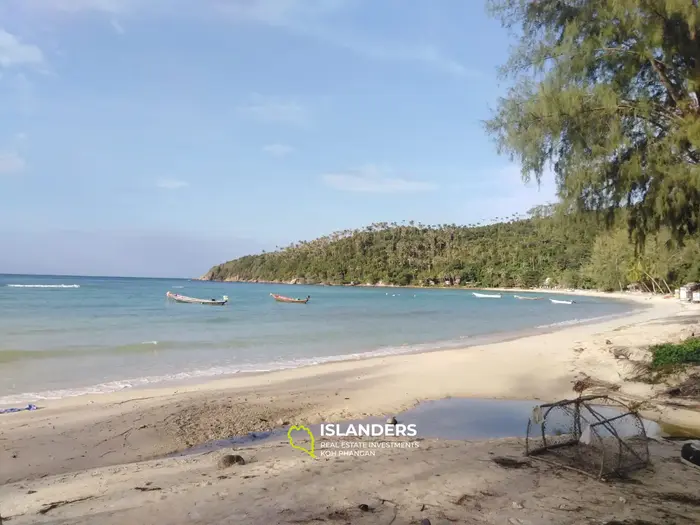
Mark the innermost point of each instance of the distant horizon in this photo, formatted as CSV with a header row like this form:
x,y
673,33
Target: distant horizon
x,y
93,276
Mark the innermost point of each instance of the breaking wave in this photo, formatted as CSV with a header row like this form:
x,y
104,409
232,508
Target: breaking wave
x,y
572,322
43,286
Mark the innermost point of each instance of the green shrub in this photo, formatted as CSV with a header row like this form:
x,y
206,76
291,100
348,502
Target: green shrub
x,y
669,354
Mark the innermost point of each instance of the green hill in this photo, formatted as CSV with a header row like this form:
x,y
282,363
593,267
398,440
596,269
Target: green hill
x,y
527,252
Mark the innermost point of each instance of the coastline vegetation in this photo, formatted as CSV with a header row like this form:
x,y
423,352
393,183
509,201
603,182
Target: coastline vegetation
x,y
674,354
542,249
667,361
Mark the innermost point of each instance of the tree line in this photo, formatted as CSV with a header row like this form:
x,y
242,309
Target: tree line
x,y
541,249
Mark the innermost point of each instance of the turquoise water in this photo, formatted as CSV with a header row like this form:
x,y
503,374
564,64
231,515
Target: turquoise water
x,y
63,336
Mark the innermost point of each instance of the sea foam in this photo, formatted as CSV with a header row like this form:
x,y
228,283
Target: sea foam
x,y
43,286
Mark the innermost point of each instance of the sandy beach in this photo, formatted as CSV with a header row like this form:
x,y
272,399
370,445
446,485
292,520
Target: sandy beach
x,y
108,451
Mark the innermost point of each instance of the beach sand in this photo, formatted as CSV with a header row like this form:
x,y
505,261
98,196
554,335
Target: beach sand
x,y
109,448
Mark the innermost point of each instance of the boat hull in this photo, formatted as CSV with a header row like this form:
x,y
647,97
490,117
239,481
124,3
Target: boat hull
x,y
486,296
194,300
556,301
283,299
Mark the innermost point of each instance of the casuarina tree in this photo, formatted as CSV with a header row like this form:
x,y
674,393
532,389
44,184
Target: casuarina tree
x,y
604,94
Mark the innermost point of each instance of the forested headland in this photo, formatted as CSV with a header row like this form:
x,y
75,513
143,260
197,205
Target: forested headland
x,y
605,97
541,249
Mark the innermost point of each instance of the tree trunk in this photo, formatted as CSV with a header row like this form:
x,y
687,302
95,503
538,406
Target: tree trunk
x,y
653,282
667,286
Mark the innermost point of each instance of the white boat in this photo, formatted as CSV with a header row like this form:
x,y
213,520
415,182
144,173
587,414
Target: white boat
x,y
193,300
486,295
527,298
558,301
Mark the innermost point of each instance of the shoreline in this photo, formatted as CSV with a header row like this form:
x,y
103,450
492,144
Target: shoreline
x,y
641,299
519,368
103,447
154,382
559,291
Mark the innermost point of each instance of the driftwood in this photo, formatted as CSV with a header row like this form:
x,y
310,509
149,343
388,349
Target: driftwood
x,y
50,506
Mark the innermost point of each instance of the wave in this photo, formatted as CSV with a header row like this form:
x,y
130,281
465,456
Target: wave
x,y
572,322
43,285
10,356
223,370
115,386
143,347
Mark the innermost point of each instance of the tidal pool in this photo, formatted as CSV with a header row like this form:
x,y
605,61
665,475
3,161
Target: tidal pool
x,y
451,418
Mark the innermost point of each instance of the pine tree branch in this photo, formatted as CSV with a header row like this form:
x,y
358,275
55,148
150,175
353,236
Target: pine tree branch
x,y
665,80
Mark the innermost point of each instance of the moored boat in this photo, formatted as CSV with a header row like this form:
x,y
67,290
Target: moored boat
x,y
559,301
283,299
194,300
486,295
527,298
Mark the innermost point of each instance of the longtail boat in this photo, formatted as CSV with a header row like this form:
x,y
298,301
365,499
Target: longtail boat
x,y
558,301
486,295
283,299
527,298
193,300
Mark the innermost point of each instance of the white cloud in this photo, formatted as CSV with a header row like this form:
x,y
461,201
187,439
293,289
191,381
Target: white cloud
x,y
278,150
171,184
428,55
17,93
311,18
118,28
280,12
266,11
501,192
15,53
74,6
322,20
373,179
11,163
271,109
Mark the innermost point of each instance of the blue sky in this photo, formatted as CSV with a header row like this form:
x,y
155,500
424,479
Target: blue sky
x,y
162,137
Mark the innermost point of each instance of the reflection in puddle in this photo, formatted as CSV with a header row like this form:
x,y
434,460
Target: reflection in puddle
x,y
453,418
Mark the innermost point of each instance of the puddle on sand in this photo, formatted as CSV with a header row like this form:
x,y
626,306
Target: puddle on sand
x,y
452,418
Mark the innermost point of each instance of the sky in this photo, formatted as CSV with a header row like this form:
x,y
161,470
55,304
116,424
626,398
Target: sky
x,y
161,137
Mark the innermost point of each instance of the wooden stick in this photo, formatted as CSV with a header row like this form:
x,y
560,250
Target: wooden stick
x,y
555,464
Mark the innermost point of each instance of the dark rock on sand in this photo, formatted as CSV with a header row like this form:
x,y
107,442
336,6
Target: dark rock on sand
x,y
510,462
229,460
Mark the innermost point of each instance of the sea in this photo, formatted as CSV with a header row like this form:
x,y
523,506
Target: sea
x,y
66,336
